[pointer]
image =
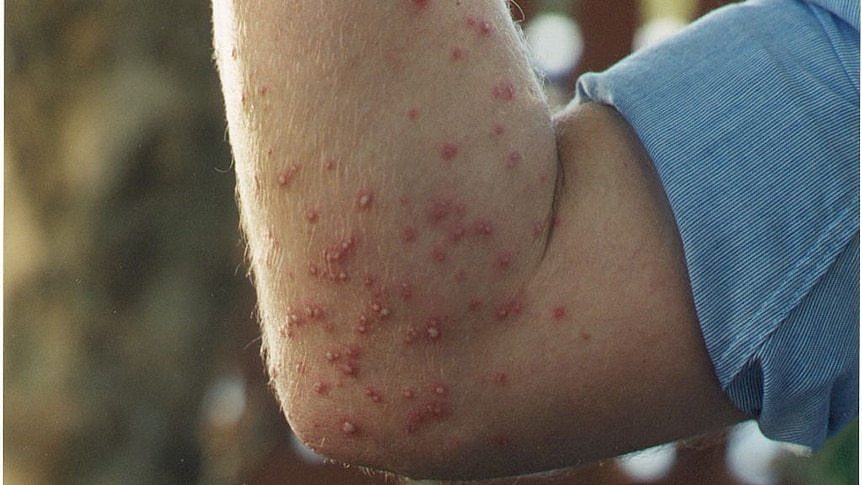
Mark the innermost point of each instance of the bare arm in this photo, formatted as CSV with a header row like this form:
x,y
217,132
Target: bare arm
x,y
437,298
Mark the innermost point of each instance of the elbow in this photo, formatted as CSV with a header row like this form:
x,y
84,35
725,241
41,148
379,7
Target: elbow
x,y
386,389
414,448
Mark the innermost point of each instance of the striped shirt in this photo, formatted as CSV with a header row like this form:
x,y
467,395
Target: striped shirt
x,y
751,116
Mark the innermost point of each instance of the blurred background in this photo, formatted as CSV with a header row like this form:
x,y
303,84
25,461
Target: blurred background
x,y
130,346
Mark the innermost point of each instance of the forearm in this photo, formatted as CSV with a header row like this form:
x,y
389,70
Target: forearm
x,y
395,168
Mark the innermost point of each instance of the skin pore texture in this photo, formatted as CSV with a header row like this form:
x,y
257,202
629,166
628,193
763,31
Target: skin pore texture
x,y
451,282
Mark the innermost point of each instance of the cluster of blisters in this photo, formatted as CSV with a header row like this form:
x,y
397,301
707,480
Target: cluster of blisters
x,y
373,395
509,308
483,227
364,199
381,310
433,328
286,176
332,265
443,223
349,427
367,320
321,388
447,217
503,90
363,325
479,26
440,210
377,309
346,360
297,316
433,408
430,331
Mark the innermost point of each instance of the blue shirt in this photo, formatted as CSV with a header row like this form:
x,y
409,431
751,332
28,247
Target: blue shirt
x,y
751,116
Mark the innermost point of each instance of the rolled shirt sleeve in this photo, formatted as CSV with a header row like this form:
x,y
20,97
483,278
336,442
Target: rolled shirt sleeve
x,y
751,117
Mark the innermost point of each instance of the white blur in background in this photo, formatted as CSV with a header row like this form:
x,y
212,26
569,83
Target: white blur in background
x,y
555,44
225,401
649,465
750,457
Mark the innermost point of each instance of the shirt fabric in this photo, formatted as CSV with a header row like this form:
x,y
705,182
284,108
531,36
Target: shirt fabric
x,y
751,117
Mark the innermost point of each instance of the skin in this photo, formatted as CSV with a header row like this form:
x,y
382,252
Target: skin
x,y
452,283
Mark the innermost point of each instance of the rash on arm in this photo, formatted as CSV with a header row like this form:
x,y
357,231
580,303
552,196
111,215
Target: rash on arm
x,y
395,168
423,308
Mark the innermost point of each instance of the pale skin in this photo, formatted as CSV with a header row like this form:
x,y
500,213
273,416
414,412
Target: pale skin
x,y
452,283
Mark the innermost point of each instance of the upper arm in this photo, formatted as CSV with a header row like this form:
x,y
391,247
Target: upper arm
x,y
397,171
765,194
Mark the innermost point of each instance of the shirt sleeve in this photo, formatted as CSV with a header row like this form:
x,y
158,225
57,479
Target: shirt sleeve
x,y
751,117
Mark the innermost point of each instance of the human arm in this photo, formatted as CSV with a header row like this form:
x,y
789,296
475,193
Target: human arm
x,y
443,292
755,138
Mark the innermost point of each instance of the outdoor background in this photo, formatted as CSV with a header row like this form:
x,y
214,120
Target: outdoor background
x,y
130,346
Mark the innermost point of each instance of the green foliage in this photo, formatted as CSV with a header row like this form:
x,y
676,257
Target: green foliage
x,y
837,463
